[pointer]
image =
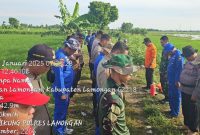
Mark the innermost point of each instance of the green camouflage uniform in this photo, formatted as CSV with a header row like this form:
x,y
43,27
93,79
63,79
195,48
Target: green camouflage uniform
x,y
112,111
163,75
111,108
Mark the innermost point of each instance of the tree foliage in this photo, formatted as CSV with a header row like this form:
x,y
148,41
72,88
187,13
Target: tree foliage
x,y
104,13
139,31
99,16
126,27
3,24
13,22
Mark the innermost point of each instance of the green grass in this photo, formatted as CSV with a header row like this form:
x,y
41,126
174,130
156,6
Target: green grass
x,y
179,42
15,47
156,116
138,115
28,29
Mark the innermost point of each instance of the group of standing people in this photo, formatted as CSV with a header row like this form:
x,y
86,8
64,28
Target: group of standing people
x,y
179,77
111,68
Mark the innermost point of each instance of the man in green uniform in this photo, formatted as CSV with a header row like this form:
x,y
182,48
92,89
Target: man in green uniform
x,y
164,41
111,108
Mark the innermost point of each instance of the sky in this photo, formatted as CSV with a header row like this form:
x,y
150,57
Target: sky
x,y
157,14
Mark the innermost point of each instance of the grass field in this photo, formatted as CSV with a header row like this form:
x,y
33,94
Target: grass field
x,y
141,109
179,42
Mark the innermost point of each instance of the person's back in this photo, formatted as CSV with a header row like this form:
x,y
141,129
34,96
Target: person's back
x,y
164,62
188,78
175,66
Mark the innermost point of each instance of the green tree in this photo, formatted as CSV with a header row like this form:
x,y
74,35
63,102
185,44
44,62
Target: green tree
x,y
3,24
23,25
13,22
143,32
126,27
104,13
139,31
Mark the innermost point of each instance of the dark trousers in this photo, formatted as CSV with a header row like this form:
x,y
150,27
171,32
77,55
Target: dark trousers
x,y
190,112
91,65
149,77
89,50
164,84
77,77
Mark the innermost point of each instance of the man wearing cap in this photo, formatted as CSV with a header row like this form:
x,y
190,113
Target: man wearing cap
x,y
64,76
188,80
77,59
103,73
111,108
150,61
16,105
174,69
105,52
164,41
40,58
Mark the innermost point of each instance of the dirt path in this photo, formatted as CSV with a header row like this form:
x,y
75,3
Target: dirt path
x,y
83,103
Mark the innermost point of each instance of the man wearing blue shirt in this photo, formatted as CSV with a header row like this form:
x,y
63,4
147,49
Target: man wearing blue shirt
x,y
92,37
64,76
174,68
87,39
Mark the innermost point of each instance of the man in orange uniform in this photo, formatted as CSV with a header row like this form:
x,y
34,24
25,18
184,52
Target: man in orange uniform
x,y
150,61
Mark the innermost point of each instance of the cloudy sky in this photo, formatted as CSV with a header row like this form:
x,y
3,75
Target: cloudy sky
x,y
158,14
